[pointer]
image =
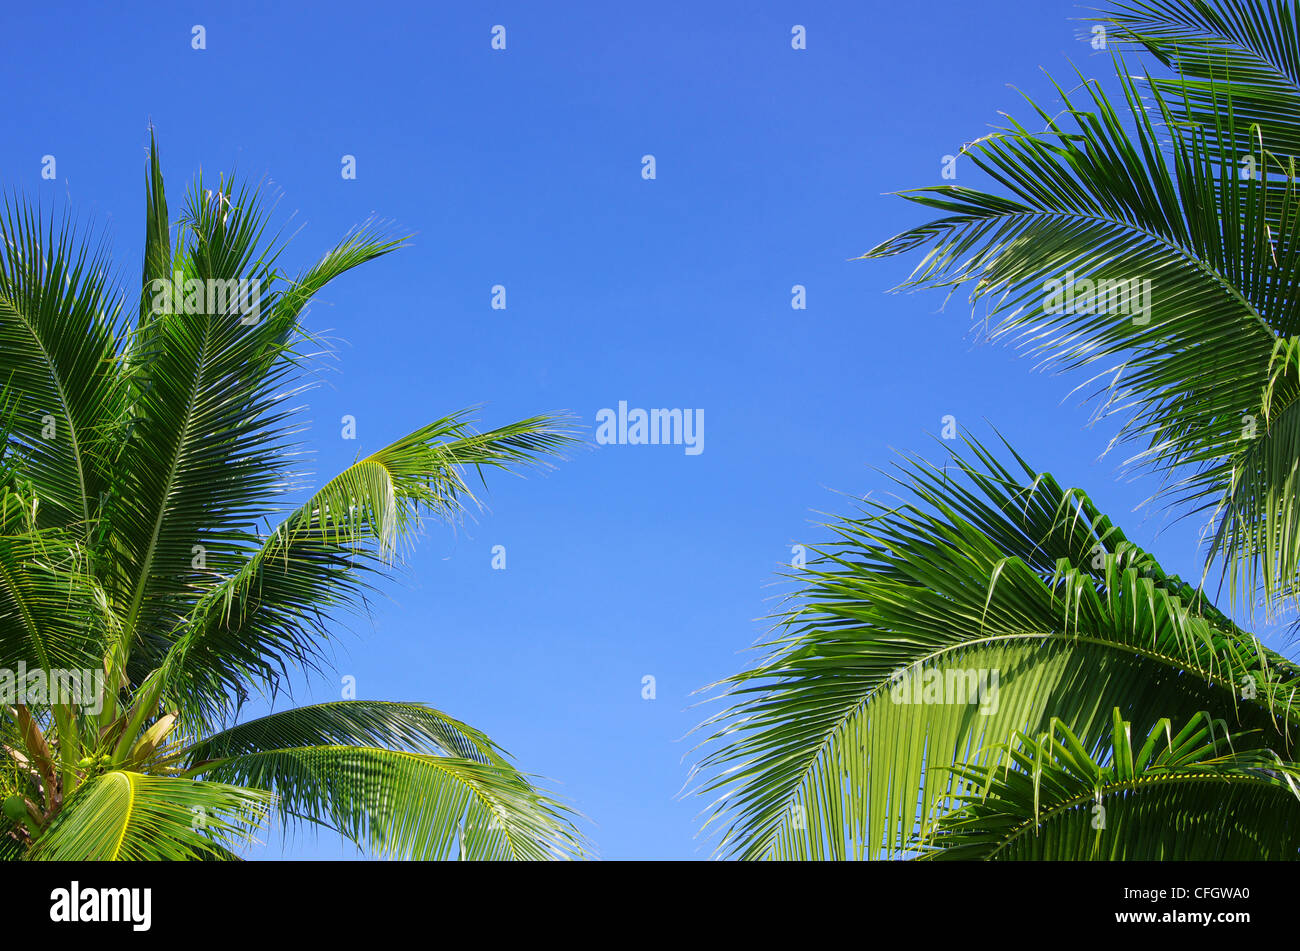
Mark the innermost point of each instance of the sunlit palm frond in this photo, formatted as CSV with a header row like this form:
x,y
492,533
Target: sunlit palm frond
x,y
1055,801
275,611
126,816
408,805
1019,602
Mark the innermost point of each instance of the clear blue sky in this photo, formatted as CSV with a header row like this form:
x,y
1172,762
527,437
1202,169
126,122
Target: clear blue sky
x,y
523,168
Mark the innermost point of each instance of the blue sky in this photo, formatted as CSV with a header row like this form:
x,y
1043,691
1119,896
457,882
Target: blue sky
x,y
523,168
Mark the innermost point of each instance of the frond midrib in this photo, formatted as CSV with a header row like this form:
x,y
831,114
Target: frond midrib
x,y
1128,649
1188,256
1128,785
137,600
424,759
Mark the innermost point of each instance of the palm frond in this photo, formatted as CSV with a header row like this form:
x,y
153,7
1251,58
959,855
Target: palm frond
x,y
1053,800
1161,259
276,610
130,816
61,323
1236,65
932,631
408,805
138,461
406,726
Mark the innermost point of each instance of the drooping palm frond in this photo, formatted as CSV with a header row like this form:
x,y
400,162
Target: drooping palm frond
x,y
405,726
61,322
1189,796
128,816
400,778
932,631
277,608
408,805
51,610
1117,242
1236,65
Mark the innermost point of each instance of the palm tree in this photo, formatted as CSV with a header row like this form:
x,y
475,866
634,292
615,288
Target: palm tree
x,y
992,669
140,603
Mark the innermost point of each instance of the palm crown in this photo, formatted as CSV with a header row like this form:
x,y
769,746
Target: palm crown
x,y
992,669
141,604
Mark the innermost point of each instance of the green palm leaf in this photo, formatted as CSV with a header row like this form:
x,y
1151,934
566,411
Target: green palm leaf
x,y
408,726
1054,801
1160,258
1124,239
1237,65
134,817
408,805
138,462
830,746
60,326
276,609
